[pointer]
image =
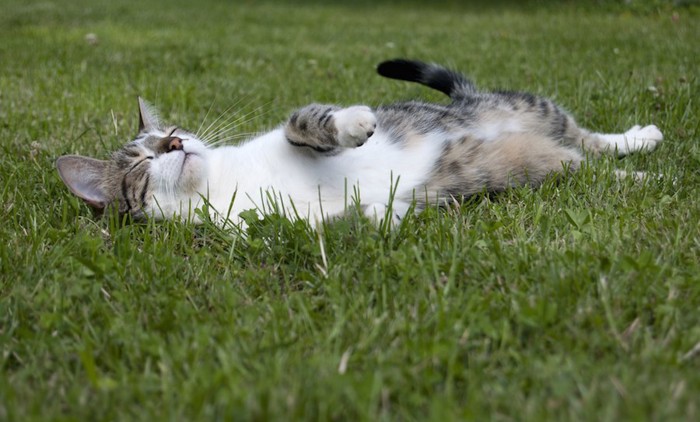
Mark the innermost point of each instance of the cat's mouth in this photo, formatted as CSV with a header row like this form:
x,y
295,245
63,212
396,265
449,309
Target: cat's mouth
x,y
185,171
191,167
189,158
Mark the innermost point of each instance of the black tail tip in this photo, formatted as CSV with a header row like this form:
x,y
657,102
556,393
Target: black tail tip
x,y
407,70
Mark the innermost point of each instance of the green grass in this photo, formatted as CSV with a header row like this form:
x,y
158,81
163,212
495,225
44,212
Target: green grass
x,y
576,301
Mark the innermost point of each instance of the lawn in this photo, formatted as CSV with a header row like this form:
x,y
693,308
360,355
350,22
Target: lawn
x,y
576,301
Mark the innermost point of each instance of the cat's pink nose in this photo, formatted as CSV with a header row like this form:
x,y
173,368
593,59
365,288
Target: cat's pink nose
x,y
175,144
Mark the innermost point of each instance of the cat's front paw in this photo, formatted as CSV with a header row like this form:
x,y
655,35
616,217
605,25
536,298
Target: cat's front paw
x,y
355,125
643,138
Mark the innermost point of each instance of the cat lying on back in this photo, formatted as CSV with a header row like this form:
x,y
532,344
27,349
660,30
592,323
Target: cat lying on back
x,y
326,158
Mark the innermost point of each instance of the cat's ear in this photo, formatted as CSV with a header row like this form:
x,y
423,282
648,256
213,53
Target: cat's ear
x,y
148,117
84,177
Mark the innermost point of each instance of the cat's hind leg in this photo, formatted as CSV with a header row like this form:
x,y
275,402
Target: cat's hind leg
x,y
635,139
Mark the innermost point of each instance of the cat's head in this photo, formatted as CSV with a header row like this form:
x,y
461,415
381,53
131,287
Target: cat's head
x,y
162,166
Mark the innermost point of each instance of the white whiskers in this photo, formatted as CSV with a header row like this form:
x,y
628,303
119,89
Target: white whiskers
x,y
216,135
232,138
219,130
218,118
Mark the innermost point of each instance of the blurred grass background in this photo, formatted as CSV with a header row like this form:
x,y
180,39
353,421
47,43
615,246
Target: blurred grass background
x,y
575,301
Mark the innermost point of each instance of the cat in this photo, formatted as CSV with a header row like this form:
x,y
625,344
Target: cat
x,y
325,158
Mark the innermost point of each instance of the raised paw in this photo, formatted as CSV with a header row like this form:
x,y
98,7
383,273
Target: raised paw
x,y
644,138
355,125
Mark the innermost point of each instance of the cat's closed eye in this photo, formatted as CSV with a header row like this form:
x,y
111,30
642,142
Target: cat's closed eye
x,y
132,152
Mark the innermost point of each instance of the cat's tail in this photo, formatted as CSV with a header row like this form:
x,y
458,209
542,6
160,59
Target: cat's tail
x,y
454,84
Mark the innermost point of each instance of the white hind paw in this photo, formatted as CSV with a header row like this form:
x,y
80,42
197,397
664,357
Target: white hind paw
x,y
355,125
644,138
